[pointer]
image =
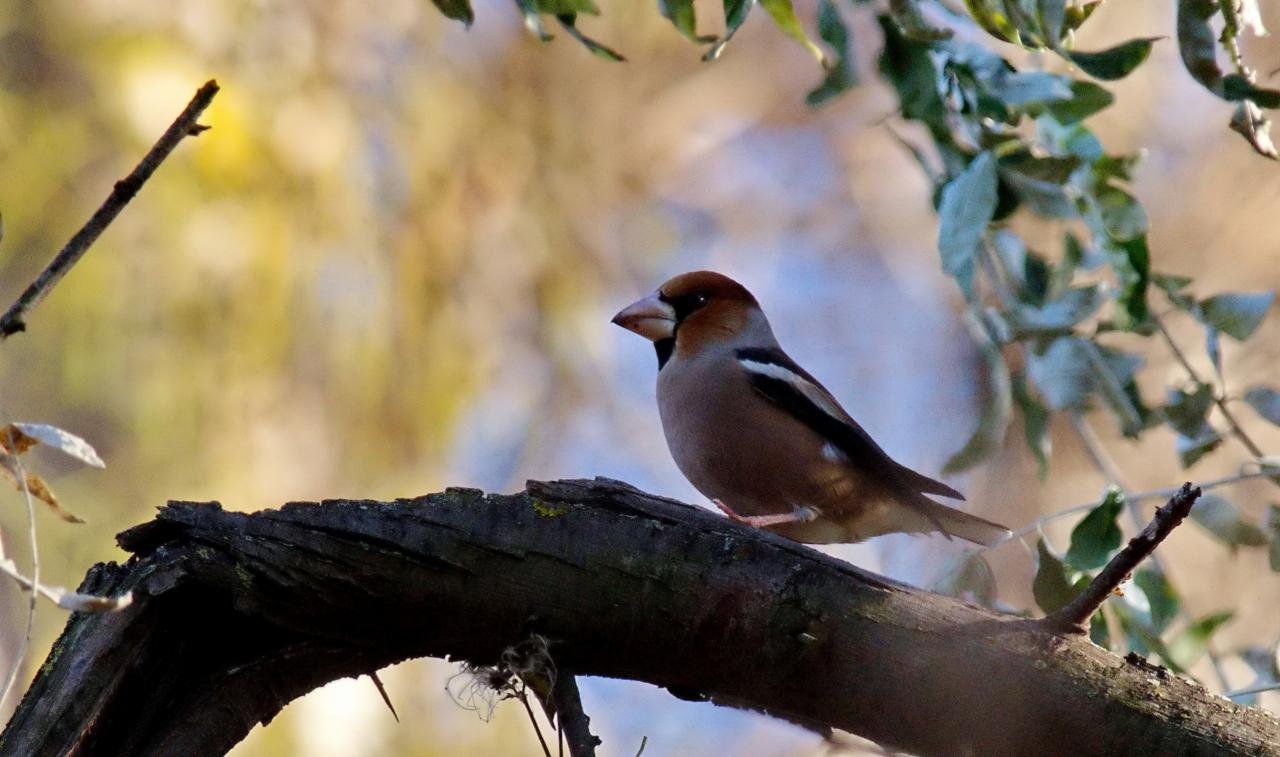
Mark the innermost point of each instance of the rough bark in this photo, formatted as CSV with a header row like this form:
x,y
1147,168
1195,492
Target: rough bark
x,y
237,614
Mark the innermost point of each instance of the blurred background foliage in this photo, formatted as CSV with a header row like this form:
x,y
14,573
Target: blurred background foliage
x,y
389,268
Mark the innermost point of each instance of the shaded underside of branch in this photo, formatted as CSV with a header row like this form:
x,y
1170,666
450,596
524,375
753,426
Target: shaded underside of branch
x,y
237,614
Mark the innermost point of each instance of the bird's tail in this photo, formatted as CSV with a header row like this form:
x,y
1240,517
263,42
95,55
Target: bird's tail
x,y
953,522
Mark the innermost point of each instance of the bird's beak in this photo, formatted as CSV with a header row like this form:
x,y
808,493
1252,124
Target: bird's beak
x,y
651,318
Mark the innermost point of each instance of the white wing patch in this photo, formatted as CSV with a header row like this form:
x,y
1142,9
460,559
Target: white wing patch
x,y
805,387
832,454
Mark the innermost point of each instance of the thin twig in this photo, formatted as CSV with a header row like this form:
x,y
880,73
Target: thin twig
x,y
1219,398
1097,453
12,678
1143,496
1072,617
377,683
573,720
524,700
13,320
1273,686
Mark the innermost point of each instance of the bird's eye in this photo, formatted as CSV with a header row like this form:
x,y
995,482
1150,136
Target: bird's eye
x,y
699,299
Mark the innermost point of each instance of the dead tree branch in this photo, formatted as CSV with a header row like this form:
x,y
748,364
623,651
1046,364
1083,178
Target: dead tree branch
x,y
571,718
1074,616
237,614
14,319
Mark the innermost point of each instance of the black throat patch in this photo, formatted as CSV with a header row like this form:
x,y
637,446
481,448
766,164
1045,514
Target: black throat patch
x,y
664,348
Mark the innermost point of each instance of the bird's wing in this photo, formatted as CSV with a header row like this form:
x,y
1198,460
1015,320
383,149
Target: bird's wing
x,y
777,377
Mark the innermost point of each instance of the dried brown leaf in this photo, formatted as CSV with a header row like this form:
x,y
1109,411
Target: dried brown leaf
x,y
15,441
41,491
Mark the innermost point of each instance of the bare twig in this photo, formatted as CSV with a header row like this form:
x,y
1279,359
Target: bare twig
x,y
1219,398
1107,466
1097,453
377,684
12,678
13,320
1073,616
533,720
573,720
1273,686
1135,497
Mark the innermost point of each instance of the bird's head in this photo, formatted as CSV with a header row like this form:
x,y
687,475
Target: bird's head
x,y
691,311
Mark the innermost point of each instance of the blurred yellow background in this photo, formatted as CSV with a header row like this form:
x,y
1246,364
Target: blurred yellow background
x,y
390,265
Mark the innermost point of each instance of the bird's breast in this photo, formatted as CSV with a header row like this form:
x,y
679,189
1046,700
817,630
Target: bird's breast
x,y
735,445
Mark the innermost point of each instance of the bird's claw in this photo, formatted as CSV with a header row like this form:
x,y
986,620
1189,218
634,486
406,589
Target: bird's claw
x,y
804,514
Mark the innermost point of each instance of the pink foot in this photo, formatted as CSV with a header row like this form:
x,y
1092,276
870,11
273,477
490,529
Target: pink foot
x,y
799,515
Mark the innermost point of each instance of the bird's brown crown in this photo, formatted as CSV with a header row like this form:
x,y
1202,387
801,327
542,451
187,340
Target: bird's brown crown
x,y
707,287
709,306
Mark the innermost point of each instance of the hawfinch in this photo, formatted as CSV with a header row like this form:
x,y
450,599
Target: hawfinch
x,y
766,442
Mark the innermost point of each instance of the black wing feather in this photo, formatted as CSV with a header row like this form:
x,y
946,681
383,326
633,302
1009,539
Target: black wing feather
x,y
847,436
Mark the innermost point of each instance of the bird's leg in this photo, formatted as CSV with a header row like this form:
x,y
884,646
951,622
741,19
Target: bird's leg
x,y
798,515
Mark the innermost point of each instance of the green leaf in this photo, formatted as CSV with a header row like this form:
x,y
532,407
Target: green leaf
x,y
1172,287
1265,401
1030,87
997,406
458,10
1051,587
1029,272
533,19
569,20
1236,315
1040,182
1086,99
1191,448
1188,647
784,15
1051,15
1162,600
968,204
1213,348
1113,379
566,7
1122,215
1186,411
1035,424
1221,519
841,75
1197,44
1062,372
909,67
682,16
1236,87
1132,262
993,17
1115,62
735,12
1098,632
1072,259
1138,636
968,576
1076,15
906,13
1057,316
1097,536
